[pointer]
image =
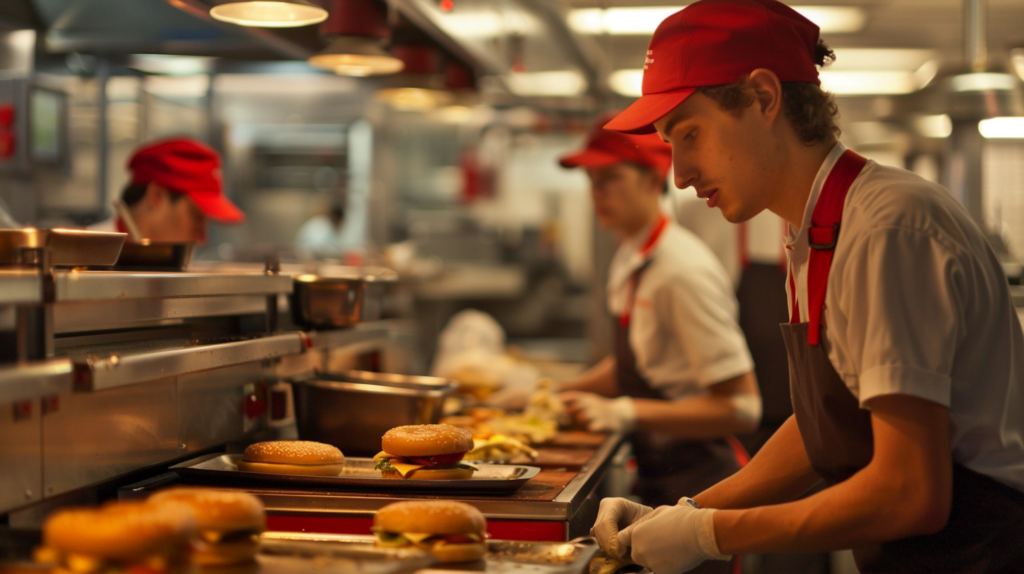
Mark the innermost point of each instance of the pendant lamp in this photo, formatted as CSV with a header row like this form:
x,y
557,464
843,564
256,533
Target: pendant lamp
x,y
270,13
356,31
420,86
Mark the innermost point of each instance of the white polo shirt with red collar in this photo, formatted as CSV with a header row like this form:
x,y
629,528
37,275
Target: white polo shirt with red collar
x,y
917,304
683,321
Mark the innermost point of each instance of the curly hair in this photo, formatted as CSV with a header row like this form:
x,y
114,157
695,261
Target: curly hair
x,y
811,111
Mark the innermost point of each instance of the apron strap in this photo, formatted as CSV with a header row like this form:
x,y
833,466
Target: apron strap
x,y
645,252
823,236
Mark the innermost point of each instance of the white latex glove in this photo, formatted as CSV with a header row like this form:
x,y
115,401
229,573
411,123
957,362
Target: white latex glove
x,y
601,414
673,539
613,515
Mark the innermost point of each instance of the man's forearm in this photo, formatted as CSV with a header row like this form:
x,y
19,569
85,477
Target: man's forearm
x,y
780,472
599,379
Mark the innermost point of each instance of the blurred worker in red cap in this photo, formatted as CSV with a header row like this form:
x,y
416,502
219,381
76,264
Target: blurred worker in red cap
x,y
175,187
681,378
906,355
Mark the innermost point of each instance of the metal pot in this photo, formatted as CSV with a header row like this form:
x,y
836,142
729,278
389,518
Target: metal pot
x,y
326,302
355,409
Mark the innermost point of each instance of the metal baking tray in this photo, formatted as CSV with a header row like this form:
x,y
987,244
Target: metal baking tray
x,y
359,474
155,256
503,556
279,555
67,247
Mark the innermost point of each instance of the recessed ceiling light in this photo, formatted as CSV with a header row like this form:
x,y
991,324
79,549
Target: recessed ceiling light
x,y
553,83
981,82
645,19
270,13
1002,128
627,82
863,83
934,126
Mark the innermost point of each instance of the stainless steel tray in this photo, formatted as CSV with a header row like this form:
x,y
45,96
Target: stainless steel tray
x,y
292,556
67,247
327,302
503,556
359,474
155,256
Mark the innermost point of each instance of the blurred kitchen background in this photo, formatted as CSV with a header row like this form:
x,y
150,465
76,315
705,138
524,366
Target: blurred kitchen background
x,y
447,170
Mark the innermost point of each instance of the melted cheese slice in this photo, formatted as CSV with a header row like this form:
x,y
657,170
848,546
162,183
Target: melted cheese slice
x,y
404,468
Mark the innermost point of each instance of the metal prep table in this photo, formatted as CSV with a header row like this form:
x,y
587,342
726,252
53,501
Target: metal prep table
x,y
559,504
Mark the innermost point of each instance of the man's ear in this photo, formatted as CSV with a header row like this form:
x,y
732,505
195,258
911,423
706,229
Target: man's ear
x,y
155,194
768,92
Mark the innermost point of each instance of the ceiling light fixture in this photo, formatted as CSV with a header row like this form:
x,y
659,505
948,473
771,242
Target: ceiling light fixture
x,y
556,83
935,126
270,14
645,19
356,30
981,82
627,83
1002,128
171,65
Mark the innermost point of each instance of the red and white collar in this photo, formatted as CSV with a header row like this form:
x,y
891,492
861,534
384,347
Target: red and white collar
x,y
795,237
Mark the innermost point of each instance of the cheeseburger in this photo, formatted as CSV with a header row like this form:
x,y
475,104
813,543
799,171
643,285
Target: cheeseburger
x,y
452,531
118,537
425,452
293,457
228,523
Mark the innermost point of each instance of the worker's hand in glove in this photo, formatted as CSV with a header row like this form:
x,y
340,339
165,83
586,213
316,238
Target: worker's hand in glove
x,y
673,539
613,515
601,414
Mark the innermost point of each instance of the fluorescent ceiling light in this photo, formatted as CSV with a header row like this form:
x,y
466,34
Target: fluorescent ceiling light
x,y
869,83
555,83
491,24
1002,128
881,58
270,14
936,126
627,82
981,82
171,65
642,20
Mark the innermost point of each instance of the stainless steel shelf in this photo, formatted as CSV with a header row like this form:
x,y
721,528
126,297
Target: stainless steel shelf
x,y
375,333
107,372
98,285
24,382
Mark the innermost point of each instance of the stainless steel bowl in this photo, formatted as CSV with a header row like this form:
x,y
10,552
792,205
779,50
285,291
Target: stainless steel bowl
x,y
353,410
155,256
326,302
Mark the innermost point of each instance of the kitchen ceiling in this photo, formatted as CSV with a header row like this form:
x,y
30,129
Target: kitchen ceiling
x,y
920,24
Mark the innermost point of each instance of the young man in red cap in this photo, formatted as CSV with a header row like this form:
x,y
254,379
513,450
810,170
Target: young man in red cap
x,y
175,187
681,378
906,354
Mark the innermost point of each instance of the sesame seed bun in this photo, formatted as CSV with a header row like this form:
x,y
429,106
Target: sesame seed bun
x,y
299,457
426,440
121,531
437,517
430,516
219,510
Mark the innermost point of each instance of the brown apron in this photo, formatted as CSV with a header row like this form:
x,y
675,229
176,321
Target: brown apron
x,y
985,532
667,469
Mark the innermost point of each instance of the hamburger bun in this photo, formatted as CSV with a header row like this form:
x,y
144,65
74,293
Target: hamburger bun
x,y
439,518
219,510
426,440
121,531
292,457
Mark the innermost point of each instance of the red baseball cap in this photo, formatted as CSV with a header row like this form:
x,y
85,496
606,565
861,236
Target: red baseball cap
x,y
715,42
605,147
186,166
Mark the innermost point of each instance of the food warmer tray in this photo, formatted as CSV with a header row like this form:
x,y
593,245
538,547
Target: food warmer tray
x,y
359,474
503,556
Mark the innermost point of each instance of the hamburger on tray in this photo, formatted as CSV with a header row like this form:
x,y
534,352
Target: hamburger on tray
x,y
451,531
425,452
150,537
229,523
300,457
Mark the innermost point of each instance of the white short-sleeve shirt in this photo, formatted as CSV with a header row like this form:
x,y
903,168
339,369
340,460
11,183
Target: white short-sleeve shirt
x,y
683,327
917,304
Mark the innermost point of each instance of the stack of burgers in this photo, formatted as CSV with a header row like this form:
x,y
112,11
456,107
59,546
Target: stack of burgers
x,y
159,535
